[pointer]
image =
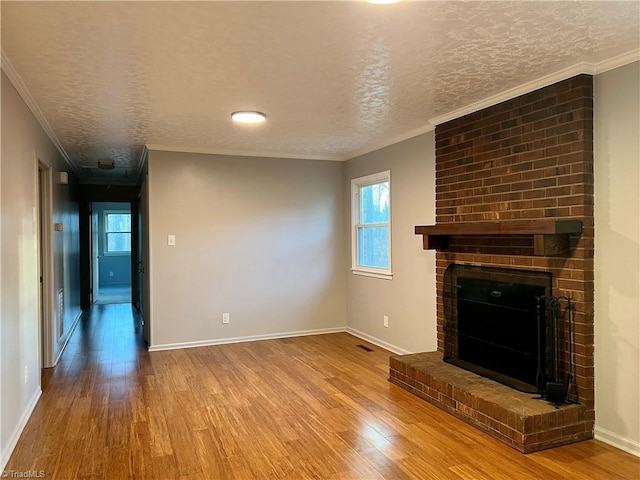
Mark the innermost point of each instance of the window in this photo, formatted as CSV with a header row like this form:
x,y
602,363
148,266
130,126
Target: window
x,y
117,228
371,225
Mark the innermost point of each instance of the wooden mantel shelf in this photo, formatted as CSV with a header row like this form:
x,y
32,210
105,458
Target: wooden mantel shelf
x,y
551,236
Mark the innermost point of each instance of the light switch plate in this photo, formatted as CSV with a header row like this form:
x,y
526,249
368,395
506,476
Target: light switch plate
x,y
171,240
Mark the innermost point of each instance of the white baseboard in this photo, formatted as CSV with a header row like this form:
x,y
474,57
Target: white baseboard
x,y
615,440
250,338
274,336
15,435
377,341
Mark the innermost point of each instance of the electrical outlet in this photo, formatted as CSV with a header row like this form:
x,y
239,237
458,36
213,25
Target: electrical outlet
x,y
111,274
385,320
26,374
225,318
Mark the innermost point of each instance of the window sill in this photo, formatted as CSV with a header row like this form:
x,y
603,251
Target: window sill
x,y
366,273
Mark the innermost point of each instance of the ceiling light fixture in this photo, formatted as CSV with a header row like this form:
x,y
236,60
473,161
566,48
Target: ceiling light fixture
x,y
106,164
382,2
246,116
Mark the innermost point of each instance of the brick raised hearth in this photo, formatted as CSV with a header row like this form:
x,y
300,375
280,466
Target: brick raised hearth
x,y
515,418
526,159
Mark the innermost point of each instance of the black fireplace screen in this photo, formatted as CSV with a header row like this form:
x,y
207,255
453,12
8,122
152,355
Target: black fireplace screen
x,y
495,323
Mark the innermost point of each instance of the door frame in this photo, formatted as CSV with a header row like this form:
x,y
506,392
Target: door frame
x,y
97,233
94,226
144,262
44,219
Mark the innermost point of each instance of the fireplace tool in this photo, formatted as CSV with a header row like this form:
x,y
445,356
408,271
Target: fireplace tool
x,y
554,391
540,373
557,392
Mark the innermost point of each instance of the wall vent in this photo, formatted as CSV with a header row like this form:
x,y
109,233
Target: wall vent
x,y
60,322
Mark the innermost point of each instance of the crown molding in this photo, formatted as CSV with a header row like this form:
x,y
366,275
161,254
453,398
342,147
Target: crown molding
x,y
565,73
235,153
23,91
511,93
390,141
619,61
577,69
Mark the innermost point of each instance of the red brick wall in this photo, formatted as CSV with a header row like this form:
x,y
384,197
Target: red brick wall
x,y
527,158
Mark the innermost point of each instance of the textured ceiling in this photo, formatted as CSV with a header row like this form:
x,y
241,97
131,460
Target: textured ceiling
x,y
336,79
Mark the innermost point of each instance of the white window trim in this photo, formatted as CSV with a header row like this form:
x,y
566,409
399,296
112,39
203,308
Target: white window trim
x,y
105,249
356,185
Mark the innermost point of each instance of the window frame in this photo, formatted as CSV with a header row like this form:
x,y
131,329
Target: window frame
x,y
356,185
105,250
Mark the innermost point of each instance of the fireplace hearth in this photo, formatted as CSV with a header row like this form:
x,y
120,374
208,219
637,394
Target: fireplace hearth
x,y
515,418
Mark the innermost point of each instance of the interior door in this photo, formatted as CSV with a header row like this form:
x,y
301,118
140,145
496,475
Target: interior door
x,y
143,264
140,268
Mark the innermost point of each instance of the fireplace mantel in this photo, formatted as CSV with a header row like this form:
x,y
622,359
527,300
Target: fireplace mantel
x,y
550,235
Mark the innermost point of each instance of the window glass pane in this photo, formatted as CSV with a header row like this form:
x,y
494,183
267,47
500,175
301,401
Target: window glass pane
x,y
118,222
374,203
118,242
373,247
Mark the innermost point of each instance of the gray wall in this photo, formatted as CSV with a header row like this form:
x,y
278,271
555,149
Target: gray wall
x,y
617,257
23,141
262,239
115,270
408,299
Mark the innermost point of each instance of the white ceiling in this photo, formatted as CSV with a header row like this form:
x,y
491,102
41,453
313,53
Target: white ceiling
x,y
336,79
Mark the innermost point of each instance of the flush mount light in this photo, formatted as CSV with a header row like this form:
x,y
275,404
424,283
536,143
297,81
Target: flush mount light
x,y
106,164
248,117
382,2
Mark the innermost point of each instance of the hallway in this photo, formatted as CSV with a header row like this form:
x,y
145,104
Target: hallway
x,y
111,294
81,422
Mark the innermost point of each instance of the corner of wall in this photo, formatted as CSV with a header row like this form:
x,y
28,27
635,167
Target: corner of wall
x,y
408,300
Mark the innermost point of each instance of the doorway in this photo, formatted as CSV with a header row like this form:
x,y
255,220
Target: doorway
x,y
143,261
48,333
111,228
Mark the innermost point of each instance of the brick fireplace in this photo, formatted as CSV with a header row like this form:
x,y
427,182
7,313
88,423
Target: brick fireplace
x,y
521,170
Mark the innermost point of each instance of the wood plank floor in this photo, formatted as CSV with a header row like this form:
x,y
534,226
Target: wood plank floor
x,y
316,407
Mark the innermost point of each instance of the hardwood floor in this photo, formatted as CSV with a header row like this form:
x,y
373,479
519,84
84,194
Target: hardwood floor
x,y
317,407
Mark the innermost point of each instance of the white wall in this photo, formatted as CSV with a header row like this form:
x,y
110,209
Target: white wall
x,y
23,141
617,258
410,298
262,239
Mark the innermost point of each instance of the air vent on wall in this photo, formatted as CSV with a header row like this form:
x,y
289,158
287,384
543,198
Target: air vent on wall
x,y
60,313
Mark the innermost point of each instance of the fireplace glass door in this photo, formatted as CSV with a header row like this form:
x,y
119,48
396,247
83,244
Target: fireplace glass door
x,y
496,325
